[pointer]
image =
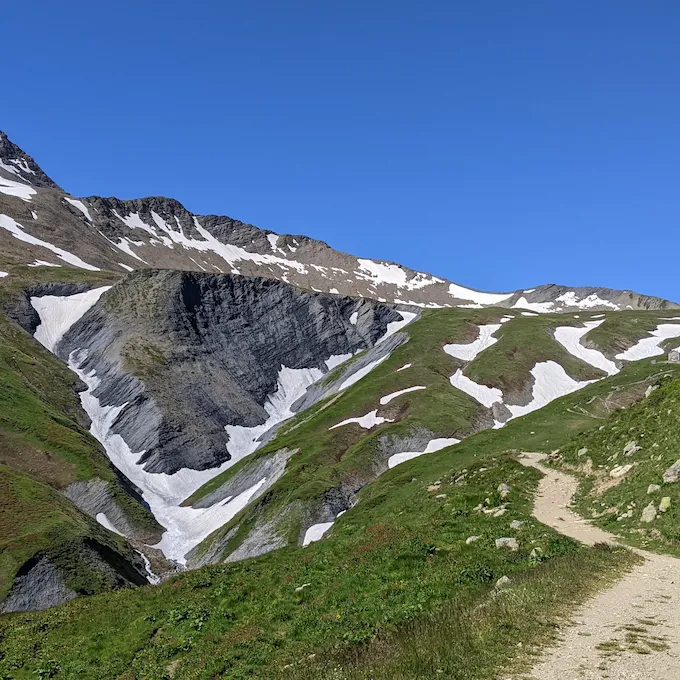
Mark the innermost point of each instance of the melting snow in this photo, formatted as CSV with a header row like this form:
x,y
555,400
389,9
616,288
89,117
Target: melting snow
x,y
487,396
541,307
316,532
480,298
649,346
356,377
388,397
3,274
588,302
550,382
126,267
369,421
18,232
432,446
105,522
404,367
80,206
12,188
471,350
394,326
125,244
292,384
336,360
570,339
353,318
392,274
59,312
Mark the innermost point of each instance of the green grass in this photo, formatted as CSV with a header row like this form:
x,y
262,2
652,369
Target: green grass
x,y
44,447
654,424
388,569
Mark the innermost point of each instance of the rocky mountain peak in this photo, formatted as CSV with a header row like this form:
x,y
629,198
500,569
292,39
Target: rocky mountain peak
x,y
18,165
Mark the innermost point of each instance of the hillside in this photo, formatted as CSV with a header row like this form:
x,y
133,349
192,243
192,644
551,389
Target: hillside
x,y
307,460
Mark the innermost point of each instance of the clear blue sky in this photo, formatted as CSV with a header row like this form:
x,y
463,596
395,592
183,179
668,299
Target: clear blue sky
x,y
499,144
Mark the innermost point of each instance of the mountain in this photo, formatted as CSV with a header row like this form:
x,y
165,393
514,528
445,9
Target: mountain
x,y
41,225
303,452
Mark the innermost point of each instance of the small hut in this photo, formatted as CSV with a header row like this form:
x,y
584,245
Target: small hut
x,y
674,356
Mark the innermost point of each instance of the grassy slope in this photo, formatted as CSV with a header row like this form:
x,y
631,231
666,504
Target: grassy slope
x,y
43,440
654,425
389,565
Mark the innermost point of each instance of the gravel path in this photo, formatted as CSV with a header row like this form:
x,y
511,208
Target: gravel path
x,y
630,631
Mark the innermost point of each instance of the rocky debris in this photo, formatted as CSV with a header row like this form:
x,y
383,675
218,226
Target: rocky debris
x,y
648,513
39,585
665,504
619,471
653,488
516,524
630,448
673,473
202,555
262,538
508,543
502,582
471,539
503,490
500,512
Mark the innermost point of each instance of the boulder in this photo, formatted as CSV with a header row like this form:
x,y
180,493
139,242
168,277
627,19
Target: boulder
x,y
653,488
665,504
516,524
648,514
502,582
673,473
630,448
507,542
503,489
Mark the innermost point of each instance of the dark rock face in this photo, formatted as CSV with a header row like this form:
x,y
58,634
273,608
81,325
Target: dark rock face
x,y
24,168
39,585
190,353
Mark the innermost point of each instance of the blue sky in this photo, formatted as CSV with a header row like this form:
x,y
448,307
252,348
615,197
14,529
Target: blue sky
x,y
499,144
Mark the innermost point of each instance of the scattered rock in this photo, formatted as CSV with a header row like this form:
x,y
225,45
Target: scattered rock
x,y
302,587
441,495
653,488
503,490
619,471
516,524
500,512
649,514
582,452
507,542
673,473
433,487
630,448
665,504
502,582
471,539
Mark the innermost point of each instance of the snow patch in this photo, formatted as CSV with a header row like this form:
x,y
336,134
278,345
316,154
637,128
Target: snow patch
x,y
368,422
105,522
477,296
59,312
388,397
126,267
353,319
42,263
432,446
486,396
649,346
3,274
394,326
570,338
80,206
18,232
362,372
316,532
18,189
550,382
471,350
404,367
336,360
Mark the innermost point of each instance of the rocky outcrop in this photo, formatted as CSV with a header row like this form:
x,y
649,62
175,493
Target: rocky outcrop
x,y
38,585
188,354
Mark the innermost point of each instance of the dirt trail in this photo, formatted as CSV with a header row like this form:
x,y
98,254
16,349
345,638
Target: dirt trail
x,y
630,631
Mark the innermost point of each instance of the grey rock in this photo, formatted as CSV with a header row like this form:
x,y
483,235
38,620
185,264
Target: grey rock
x,y
673,473
508,543
582,451
471,539
504,490
648,513
653,488
39,586
630,448
502,582
516,524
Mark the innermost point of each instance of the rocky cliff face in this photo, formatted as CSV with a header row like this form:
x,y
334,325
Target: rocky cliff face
x,y
189,354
